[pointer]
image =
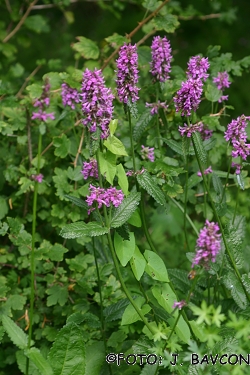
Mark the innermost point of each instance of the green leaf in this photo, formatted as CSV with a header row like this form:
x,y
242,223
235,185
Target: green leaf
x,y
147,182
122,213
218,187
3,207
138,263
197,330
198,144
94,141
112,126
80,229
142,124
240,181
246,281
95,355
122,178
57,294
77,201
67,355
107,166
232,283
124,249
86,47
62,145
41,363
130,315
135,219
22,361
168,22
16,302
212,93
116,40
56,252
116,310
37,23
132,108
115,146
155,266
15,333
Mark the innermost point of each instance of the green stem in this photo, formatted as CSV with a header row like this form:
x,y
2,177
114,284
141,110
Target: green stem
x,y
185,206
220,224
32,255
157,121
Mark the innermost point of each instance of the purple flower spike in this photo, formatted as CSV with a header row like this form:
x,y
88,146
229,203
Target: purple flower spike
x,y
222,81
208,245
188,130
188,97
127,74
206,171
147,153
197,68
236,133
69,96
161,57
90,169
97,101
104,197
42,103
156,106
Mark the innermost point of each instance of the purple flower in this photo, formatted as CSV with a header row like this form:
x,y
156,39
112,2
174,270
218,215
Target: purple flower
x,y
104,197
90,169
237,166
236,133
208,245
69,96
188,130
197,68
179,305
222,81
42,103
96,102
155,107
38,177
161,57
127,74
147,153
188,97
206,133
206,171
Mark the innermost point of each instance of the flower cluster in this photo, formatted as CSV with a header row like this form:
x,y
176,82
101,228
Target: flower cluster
x,y
197,68
104,197
188,98
90,169
161,57
42,103
188,130
127,74
37,177
156,106
96,102
236,133
69,96
206,171
222,82
179,305
237,166
147,153
208,245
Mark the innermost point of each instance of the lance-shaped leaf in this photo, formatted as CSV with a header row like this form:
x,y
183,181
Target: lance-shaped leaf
x,y
67,355
125,210
80,229
142,124
240,181
77,201
38,359
147,182
137,263
199,146
15,333
155,266
174,145
232,283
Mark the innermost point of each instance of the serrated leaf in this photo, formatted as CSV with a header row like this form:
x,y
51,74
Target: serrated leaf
x,y
246,281
147,182
122,213
218,187
198,144
142,124
116,310
124,249
212,93
77,201
132,108
57,252
86,47
175,146
168,22
15,333
94,141
232,283
57,295
137,263
240,181
130,315
155,266
41,363
115,146
62,145
123,231
16,302
67,355
81,229
22,362
116,40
